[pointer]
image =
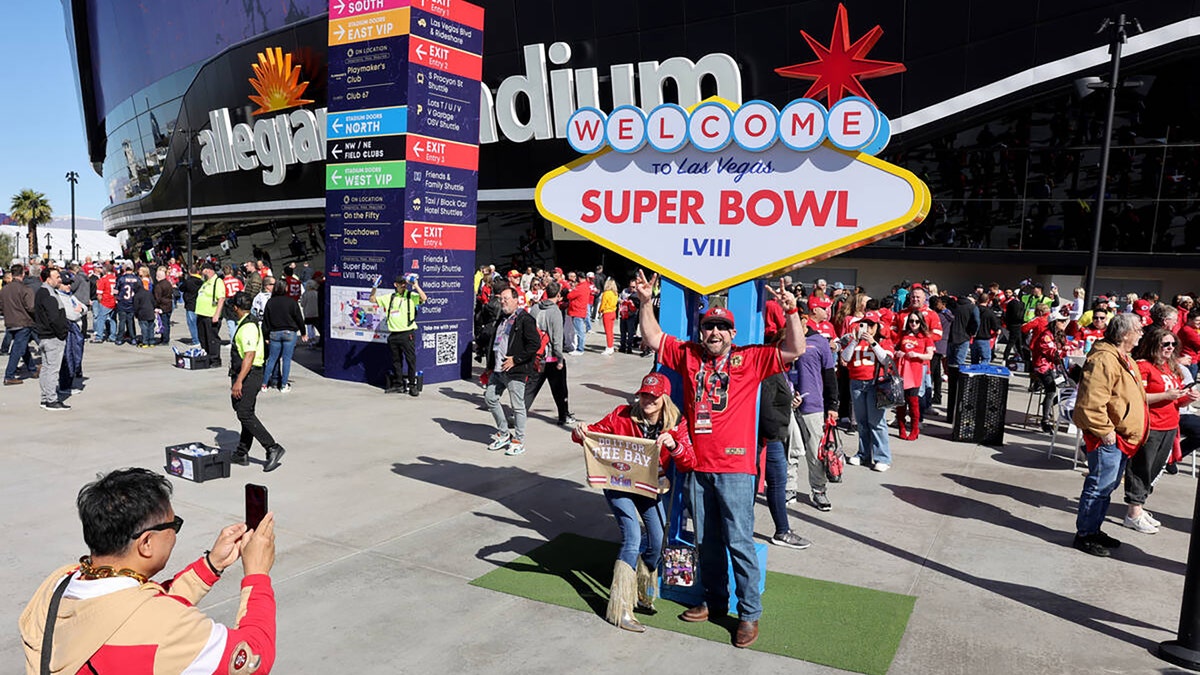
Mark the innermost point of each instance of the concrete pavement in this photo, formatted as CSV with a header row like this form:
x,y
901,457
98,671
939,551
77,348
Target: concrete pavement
x,y
389,505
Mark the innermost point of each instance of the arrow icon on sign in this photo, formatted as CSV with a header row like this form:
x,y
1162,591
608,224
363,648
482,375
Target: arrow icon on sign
x,y
336,125
340,6
418,149
415,236
340,32
421,51
336,152
336,177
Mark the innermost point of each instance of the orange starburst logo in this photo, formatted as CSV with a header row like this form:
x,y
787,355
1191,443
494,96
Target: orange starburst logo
x,y
277,82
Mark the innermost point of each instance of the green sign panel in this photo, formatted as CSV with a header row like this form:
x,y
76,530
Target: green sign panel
x,y
365,176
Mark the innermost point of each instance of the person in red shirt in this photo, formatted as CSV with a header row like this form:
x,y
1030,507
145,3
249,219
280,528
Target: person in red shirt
x,y
864,354
914,350
1087,335
577,309
1049,348
918,302
106,296
1165,395
720,393
655,416
1189,343
819,321
773,321
295,287
233,285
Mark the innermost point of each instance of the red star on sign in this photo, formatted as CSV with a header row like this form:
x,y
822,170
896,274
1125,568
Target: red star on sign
x,y
839,67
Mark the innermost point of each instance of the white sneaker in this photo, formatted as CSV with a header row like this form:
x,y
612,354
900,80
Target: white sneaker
x,y
1146,514
881,467
1140,524
853,459
608,351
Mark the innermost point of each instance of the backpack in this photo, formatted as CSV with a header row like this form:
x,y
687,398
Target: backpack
x,y
539,359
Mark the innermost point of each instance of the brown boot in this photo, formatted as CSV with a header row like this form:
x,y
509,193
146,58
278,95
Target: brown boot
x,y
622,597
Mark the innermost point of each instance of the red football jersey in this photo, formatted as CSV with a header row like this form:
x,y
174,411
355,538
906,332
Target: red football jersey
x,y
1164,415
731,390
862,361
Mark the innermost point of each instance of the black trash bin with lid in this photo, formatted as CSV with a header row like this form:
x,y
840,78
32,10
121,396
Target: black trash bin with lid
x,y
982,405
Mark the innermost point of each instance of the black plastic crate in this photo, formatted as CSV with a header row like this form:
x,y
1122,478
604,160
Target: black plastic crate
x,y
193,362
182,462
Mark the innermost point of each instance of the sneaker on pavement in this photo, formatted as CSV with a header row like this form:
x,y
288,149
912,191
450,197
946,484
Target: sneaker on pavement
x,y
1150,517
500,441
569,421
608,351
821,501
854,459
1106,541
285,389
57,405
1141,524
1091,546
515,448
791,540
881,466
8,381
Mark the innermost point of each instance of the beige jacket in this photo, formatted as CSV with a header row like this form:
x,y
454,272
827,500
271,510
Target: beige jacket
x,y
1111,396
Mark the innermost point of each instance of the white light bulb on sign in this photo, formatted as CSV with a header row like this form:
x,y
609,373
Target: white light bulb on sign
x,y
853,123
626,129
667,128
756,126
585,130
710,127
802,124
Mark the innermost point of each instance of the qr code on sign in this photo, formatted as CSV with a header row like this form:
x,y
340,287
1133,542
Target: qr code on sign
x,y
447,348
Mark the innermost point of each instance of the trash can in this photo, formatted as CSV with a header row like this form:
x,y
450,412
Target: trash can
x,y
982,405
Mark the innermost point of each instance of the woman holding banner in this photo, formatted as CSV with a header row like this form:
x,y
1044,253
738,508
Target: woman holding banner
x,y
654,416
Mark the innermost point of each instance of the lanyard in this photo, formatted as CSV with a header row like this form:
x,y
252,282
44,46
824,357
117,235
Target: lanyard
x,y
719,368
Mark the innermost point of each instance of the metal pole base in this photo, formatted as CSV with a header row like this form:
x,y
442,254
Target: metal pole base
x,y
1174,652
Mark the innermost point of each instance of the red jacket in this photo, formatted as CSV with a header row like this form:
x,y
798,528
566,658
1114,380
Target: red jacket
x,y
619,422
1047,352
578,299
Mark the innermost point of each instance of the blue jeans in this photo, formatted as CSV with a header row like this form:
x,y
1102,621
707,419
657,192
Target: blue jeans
x,y
872,424
232,326
147,332
981,351
166,327
106,325
631,511
17,351
723,506
191,324
283,345
959,354
777,470
581,329
1106,465
125,326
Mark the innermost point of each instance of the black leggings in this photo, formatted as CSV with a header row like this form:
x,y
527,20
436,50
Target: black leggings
x,y
1143,468
252,428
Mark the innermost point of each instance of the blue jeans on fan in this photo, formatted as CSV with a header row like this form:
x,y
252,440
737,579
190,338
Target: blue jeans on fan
x,y
777,470
581,330
631,512
191,324
872,424
723,508
147,337
981,351
1106,465
282,346
17,350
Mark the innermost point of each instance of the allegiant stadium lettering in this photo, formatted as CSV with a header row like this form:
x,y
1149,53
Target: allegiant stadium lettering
x,y
553,96
273,144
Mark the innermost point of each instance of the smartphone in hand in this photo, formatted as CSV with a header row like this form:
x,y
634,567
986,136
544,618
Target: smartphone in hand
x,y
256,504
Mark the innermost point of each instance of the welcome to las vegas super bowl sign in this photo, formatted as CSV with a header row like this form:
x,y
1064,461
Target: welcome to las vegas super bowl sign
x,y
720,193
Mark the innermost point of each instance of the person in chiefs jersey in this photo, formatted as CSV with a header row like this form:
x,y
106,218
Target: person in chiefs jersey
x,y
914,352
233,286
864,353
1093,331
918,301
720,387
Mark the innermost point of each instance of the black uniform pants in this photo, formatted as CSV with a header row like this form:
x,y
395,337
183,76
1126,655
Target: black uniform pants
x,y
209,334
557,377
252,428
404,347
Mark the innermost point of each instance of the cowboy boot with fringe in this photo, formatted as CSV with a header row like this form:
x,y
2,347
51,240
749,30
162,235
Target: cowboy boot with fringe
x,y
622,597
647,587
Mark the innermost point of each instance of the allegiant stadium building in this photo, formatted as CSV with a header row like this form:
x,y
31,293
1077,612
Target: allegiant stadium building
x,y
996,110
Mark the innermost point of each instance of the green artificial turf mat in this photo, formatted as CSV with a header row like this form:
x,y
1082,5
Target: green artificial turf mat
x,y
834,624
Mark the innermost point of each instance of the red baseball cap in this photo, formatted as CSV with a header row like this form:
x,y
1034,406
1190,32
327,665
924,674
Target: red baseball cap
x,y
814,301
1142,307
718,314
872,317
655,384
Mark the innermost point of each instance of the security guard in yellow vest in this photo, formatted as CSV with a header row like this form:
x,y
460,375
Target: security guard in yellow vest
x,y
400,312
247,350
210,300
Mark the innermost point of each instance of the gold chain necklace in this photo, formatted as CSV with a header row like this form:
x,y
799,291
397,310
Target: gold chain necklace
x,y
89,572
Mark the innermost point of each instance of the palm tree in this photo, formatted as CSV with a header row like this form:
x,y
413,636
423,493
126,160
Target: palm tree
x,y
30,208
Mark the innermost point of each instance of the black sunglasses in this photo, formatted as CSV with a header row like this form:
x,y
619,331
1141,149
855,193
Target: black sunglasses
x,y
717,325
176,524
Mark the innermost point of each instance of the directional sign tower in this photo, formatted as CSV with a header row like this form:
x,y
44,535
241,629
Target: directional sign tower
x,y
401,177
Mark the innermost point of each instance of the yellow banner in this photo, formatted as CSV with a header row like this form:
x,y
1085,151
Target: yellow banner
x,y
372,26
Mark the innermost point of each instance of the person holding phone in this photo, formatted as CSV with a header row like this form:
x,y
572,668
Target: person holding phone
x,y
105,615
400,319
654,416
864,353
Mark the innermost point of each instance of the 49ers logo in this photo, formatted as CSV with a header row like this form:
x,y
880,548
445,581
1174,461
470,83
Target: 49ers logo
x,y
243,661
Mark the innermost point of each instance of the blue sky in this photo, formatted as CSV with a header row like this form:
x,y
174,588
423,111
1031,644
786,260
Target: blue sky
x,y
41,127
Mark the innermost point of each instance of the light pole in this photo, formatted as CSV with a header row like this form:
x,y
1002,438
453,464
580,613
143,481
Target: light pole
x,y
1119,35
187,164
47,247
73,179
